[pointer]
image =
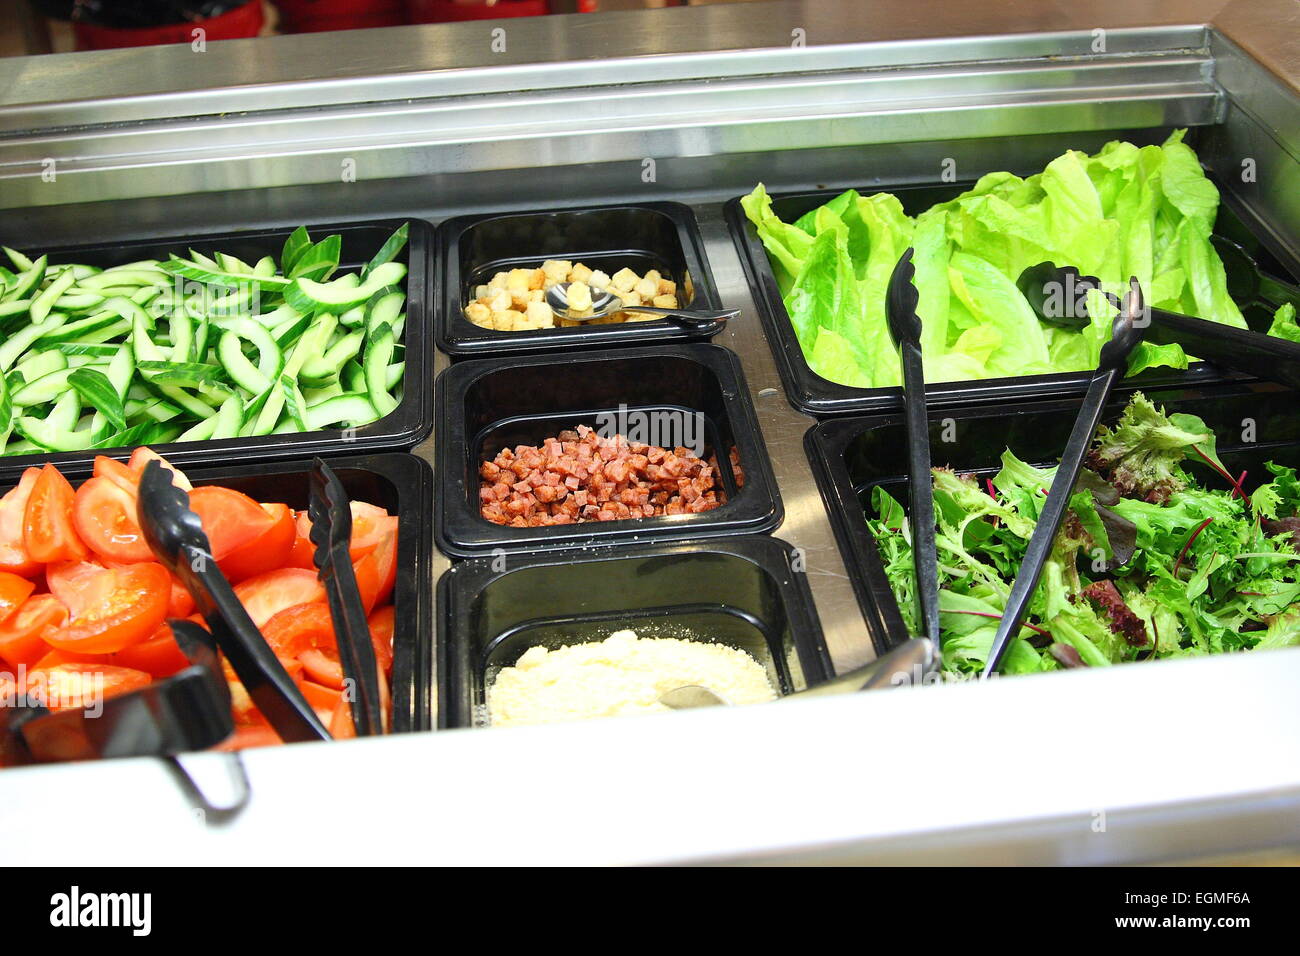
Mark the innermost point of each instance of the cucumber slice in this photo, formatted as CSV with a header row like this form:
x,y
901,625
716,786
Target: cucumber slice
x,y
20,261
44,302
351,408
388,251
20,341
379,353
45,389
307,295
384,307
41,363
29,281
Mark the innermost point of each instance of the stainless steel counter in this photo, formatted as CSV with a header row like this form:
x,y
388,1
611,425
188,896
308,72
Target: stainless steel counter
x,y
430,122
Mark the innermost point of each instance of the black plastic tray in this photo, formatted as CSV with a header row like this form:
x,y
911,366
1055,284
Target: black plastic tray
x,y
397,482
850,456
654,235
739,591
809,392
489,404
405,427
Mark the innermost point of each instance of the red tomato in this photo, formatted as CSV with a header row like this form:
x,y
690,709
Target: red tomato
x,y
105,517
159,655
13,592
230,519
47,520
266,552
250,735
300,628
267,594
79,584
22,636
180,603
382,624
377,572
303,554
129,614
54,658
142,456
13,507
323,666
322,699
118,473
68,685
369,526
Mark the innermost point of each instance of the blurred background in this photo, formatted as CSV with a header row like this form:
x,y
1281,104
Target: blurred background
x,y
61,26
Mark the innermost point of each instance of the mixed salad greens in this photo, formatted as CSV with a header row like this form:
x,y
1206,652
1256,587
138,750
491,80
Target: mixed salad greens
x,y
1149,562
1127,211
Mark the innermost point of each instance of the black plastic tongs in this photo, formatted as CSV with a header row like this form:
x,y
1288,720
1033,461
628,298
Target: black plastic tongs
x,y
177,539
1057,296
1125,334
185,712
331,532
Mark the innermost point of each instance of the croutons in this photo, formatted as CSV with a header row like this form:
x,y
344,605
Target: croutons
x,y
515,300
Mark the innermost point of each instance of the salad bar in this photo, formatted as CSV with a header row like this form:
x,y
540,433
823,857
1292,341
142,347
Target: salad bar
x,y
347,360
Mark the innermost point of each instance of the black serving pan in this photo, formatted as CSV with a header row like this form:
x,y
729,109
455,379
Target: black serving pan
x,y
810,393
402,429
400,484
644,236
741,591
490,404
851,456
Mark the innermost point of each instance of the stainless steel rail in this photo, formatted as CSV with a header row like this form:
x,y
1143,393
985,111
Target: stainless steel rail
x,y
430,122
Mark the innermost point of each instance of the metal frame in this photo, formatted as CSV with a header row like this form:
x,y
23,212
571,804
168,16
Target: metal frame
x,y
436,126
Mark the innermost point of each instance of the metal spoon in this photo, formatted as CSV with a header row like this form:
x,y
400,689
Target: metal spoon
x,y
1057,296
605,302
1125,334
910,662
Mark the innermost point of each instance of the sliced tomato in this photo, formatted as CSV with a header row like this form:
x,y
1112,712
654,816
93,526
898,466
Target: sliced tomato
x,y
48,533
341,726
53,658
377,572
14,591
300,628
118,473
266,552
14,557
230,518
159,655
131,612
370,525
322,699
179,603
142,456
105,517
67,685
322,665
382,623
79,584
265,595
22,635
303,554
241,705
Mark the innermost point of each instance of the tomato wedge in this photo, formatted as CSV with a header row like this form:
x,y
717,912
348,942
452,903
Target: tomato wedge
x,y
104,514
14,591
13,507
377,572
47,520
69,685
159,654
230,518
266,594
131,612
369,526
300,628
322,665
266,552
143,455
22,635
79,584
118,473
382,623
303,554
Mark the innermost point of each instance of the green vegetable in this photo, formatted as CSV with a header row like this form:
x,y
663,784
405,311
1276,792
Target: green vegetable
x,y
196,347
1149,564
1126,211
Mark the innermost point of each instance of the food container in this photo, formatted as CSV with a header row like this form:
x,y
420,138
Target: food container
x,y
396,482
740,591
405,427
810,393
490,404
655,235
850,456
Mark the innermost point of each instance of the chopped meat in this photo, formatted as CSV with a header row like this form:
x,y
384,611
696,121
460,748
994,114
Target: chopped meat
x,y
578,476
